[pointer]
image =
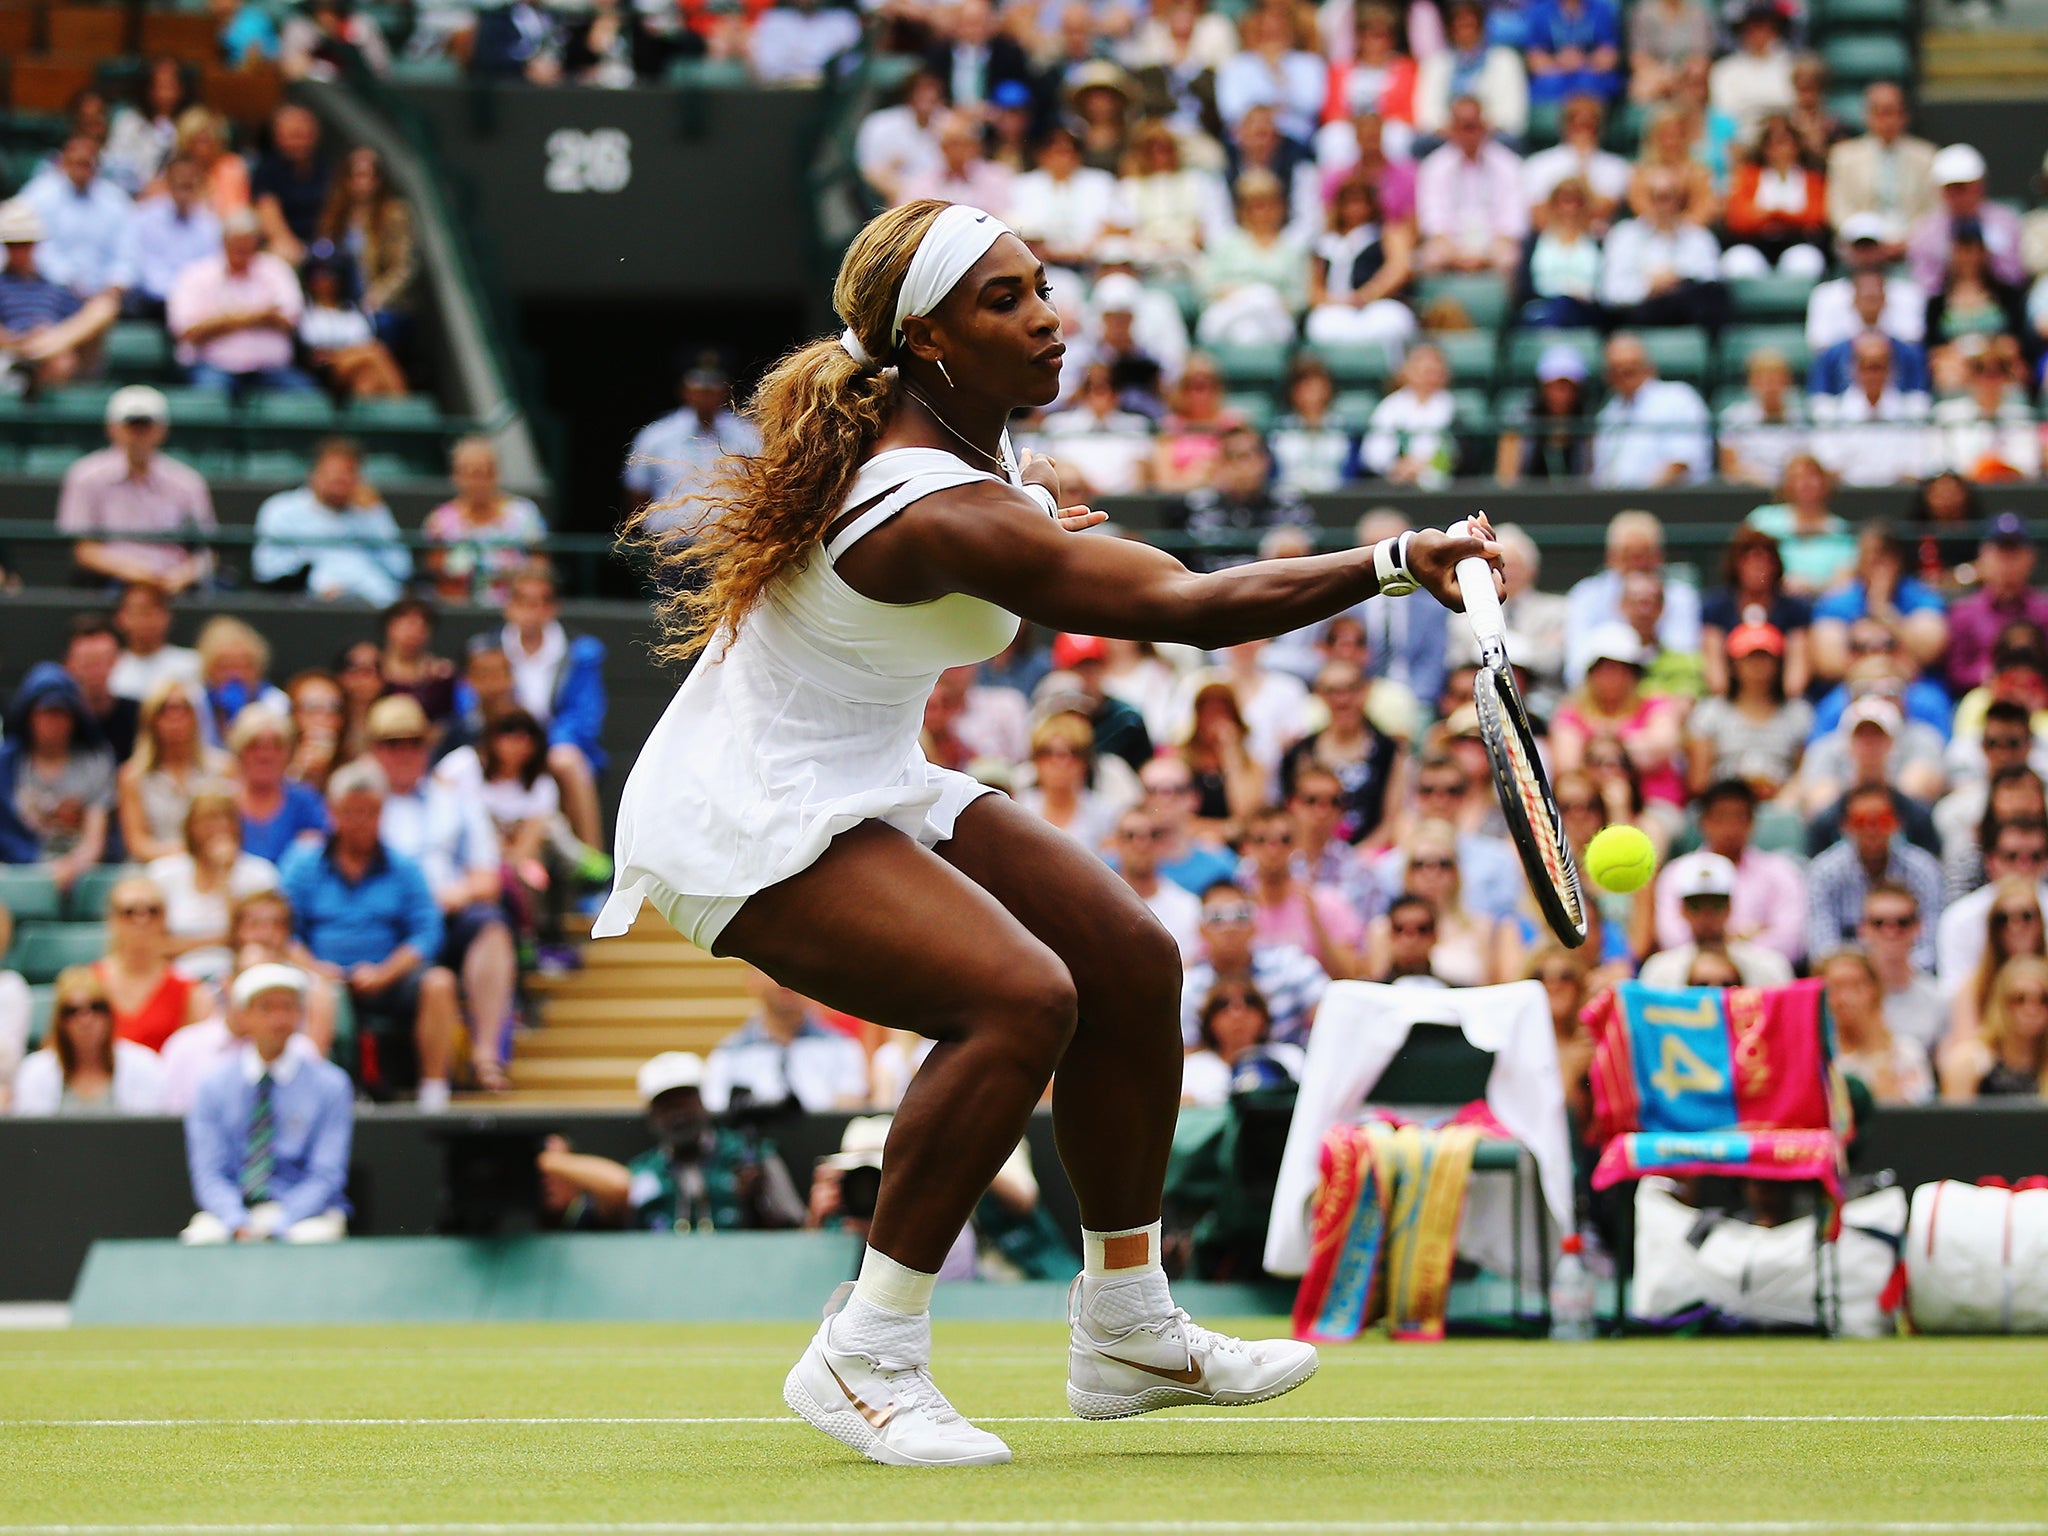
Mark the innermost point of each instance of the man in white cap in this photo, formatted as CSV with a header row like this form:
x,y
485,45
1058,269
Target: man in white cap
x,y
50,331
1885,173
1704,885
1831,310
267,1139
1959,174
195,1053
133,488
698,1177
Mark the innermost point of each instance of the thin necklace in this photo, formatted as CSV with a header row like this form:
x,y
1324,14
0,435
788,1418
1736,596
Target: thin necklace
x,y
995,459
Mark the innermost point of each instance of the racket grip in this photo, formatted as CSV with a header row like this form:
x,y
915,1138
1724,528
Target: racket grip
x,y
1482,603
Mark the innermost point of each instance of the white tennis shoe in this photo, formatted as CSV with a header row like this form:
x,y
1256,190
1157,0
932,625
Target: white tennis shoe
x,y
881,1400
1133,1351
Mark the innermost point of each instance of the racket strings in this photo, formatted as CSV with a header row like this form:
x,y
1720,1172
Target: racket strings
x,y
1536,807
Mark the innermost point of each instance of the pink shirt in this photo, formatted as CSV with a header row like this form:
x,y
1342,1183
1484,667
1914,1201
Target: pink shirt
x,y
102,500
207,288
987,186
1768,909
1471,202
1288,922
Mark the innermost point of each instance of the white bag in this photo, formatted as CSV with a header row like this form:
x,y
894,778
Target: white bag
x,y
1763,1274
1977,1259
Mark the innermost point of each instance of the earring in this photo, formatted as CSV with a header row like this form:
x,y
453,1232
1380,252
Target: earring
x,y
941,362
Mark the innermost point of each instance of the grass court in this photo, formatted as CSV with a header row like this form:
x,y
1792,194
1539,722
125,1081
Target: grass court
x,y
422,1430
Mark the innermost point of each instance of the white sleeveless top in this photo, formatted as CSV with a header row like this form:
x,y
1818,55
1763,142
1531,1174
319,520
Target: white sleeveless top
x,y
805,724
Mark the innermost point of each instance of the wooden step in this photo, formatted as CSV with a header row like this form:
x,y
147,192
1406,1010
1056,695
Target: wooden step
x,y
615,1072
637,1040
568,1098
570,1011
636,981
638,951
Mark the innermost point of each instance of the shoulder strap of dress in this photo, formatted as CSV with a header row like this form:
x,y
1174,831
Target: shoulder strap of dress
x,y
899,477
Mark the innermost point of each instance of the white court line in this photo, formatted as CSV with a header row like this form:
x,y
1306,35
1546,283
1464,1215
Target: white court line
x,y
1051,1527
1234,1420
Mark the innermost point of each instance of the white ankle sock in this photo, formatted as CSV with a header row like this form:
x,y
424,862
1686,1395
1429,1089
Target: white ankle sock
x,y
1120,1255
893,1287
433,1094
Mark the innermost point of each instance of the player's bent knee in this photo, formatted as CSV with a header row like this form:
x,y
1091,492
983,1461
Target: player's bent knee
x,y
1043,1005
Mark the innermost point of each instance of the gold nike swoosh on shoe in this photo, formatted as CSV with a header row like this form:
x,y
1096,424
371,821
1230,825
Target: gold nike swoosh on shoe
x,y
878,1418
1188,1376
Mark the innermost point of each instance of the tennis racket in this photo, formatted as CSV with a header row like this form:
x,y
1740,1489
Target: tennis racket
x,y
1525,798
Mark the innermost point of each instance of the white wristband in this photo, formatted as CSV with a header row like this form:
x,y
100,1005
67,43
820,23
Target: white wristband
x,y
1390,565
1045,498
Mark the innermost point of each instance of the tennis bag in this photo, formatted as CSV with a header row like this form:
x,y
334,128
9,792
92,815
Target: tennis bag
x,y
1688,1260
1977,1259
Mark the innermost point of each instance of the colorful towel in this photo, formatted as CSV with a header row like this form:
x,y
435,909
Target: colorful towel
x,y
1390,1199
1793,1154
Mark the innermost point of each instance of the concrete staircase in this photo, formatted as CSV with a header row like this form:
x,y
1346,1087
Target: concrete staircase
x,y
646,992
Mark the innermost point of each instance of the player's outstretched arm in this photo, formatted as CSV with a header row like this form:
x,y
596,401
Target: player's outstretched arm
x,y
994,544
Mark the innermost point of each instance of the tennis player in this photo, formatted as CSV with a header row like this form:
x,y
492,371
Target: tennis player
x,y
781,811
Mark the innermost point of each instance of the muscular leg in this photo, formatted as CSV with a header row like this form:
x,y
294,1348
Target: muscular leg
x,y
1117,1092
882,929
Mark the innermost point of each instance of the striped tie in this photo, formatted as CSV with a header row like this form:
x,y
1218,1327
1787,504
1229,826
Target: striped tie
x,y
258,1158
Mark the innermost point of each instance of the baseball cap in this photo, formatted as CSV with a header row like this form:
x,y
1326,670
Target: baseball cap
x,y
267,977
20,224
1117,294
395,717
1560,361
1744,639
137,402
1861,227
1702,874
2007,528
1872,710
1463,721
1956,164
671,1069
1615,641
706,371
1069,651
861,1143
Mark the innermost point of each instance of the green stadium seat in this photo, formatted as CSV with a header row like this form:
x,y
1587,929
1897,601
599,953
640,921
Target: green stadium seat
x,y
10,458
384,468
42,1003
1848,108
195,407
1474,413
1259,366
1353,365
87,899
1739,341
1874,15
288,408
138,349
1525,347
48,461
708,74
29,893
1779,830
1483,297
1625,124
395,411
1863,57
1353,408
214,463
432,71
80,402
1545,123
275,464
1769,298
1471,354
41,950
1679,352
1256,406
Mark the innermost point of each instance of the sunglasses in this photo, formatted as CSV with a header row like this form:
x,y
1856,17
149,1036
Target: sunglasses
x,y
1236,912
98,1005
139,912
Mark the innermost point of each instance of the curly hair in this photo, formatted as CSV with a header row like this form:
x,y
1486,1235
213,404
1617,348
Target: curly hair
x,y
819,414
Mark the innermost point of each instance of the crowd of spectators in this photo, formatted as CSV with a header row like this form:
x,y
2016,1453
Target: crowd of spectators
x,y
1366,181
406,829
290,269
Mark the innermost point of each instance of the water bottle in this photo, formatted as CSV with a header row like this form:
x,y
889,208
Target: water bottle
x,y
1572,1292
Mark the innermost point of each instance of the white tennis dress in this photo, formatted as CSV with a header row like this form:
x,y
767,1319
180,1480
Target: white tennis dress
x,y
804,724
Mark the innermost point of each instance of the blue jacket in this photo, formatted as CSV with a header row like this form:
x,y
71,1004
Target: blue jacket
x,y
1834,370
580,702
313,1119
44,682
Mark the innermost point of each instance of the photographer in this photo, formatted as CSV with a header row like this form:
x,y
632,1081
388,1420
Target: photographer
x,y
701,1174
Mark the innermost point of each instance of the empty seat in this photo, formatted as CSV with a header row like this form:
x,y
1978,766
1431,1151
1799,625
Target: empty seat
x,y
275,464
97,30
1256,407
1354,365
79,402
395,411
1873,15
190,35
1739,342
1471,355
384,468
48,461
1769,298
289,408
29,893
138,348
42,1002
1483,296
41,950
1679,352
1258,366
1862,57
45,86
1352,409
195,407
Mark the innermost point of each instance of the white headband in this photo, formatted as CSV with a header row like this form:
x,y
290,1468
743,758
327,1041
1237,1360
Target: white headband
x,y
956,240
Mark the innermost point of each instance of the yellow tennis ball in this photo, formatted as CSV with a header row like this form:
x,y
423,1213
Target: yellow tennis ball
x,y
1621,859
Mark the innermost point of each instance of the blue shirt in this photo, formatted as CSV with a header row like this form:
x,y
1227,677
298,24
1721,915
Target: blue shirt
x,y
355,552
162,243
350,923
85,234
313,1120
1588,28
1201,868
30,303
1924,700
303,811
1852,602
675,456
250,28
